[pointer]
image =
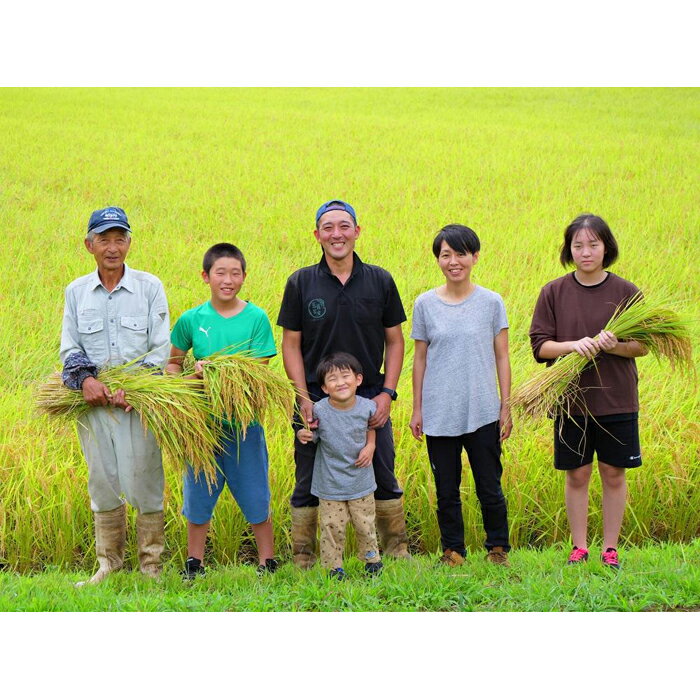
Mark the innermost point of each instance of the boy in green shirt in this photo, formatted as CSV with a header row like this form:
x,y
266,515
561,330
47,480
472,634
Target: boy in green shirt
x,y
222,322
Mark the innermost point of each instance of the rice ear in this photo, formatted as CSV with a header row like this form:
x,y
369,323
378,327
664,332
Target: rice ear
x,y
241,389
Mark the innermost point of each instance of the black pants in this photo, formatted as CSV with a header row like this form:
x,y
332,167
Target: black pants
x,y
382,461
483,448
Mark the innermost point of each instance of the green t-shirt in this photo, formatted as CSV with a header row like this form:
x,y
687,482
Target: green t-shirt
x,y
206,331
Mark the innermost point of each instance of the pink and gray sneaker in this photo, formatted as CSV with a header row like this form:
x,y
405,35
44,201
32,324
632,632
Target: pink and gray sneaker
x,y
578,555
609,558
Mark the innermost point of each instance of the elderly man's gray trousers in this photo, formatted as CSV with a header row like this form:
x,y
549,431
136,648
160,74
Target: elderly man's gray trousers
x,y
122,458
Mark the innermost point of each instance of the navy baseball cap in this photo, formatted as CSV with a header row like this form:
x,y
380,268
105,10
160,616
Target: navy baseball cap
x,y
335,204
104,219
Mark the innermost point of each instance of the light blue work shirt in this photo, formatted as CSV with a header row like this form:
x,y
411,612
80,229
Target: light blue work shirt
x,y
112,328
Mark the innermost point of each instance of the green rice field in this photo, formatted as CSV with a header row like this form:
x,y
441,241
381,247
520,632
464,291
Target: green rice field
x,y
194,167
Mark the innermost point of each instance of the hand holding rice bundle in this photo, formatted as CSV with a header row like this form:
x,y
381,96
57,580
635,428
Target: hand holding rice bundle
x,y
185,421
173,408
659,328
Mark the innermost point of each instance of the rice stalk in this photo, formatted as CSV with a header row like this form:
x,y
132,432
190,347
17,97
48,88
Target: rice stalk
x,y
241,390
661,329
556,390
173,408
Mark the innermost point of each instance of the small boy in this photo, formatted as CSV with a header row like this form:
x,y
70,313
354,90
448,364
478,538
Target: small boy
x,y
226,321
343,478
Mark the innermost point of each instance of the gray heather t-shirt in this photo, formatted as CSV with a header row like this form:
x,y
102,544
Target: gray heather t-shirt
x,y
340,436
460,392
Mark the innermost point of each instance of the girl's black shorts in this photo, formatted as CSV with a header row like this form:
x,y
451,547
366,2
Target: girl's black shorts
x,y
614,439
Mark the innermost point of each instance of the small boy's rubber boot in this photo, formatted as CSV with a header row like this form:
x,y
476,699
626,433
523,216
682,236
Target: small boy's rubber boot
x,y
374,568
304,525
451,558
338,573
391,528
150,535
110,541
193,568
498,555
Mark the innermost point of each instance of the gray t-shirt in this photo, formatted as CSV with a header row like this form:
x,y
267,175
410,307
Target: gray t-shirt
x,y
460,392
340,436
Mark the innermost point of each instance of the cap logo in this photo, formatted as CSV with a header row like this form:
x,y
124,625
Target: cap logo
x,y
110,215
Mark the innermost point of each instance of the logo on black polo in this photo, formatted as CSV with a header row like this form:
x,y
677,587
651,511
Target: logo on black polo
x,y
317,308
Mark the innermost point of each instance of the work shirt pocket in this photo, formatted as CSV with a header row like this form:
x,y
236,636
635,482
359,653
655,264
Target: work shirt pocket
x,y
369,310
133,338
92,339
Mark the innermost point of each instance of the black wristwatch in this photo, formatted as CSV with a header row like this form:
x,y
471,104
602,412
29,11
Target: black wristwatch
x,y
391,393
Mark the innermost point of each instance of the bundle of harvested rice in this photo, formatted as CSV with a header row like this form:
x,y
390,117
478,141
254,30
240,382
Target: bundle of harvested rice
x,y
172,407
555,390
241,389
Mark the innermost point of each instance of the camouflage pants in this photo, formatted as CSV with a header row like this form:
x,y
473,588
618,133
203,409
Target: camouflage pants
x,y
334,519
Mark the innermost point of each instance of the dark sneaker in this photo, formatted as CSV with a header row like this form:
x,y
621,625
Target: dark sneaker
x,y
269,567
609,558
578,556
193,568
451,558
498,555
374,568
338,573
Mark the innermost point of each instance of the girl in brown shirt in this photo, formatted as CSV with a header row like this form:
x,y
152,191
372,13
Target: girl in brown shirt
x,y
569,317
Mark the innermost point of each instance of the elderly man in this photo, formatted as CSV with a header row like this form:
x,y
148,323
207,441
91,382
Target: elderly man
x,y
111,316
343,304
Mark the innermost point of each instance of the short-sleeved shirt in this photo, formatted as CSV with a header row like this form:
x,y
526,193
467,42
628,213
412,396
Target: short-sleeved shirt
x,y
334,317
340,436
206,331
109,328
460,391
568,310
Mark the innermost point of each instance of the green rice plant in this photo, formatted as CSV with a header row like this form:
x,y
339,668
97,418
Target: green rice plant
x,y
242,389
556,389
173,408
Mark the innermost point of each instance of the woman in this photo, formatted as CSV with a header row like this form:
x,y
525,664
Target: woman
x,y
569,317
461,349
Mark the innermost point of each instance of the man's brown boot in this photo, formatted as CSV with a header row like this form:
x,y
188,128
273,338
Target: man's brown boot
x,y
150,535
110,540
498,555
391,528
451,558
304,524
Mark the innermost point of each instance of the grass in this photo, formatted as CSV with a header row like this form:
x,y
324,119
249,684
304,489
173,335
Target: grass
x,y
196,167
653,578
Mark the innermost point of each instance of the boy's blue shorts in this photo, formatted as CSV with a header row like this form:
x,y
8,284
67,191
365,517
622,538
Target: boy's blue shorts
x,y
243,466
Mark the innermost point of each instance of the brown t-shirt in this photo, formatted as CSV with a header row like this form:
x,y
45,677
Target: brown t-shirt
x,y
567,310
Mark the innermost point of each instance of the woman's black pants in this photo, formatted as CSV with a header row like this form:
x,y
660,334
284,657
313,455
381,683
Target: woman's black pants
x,y
483,449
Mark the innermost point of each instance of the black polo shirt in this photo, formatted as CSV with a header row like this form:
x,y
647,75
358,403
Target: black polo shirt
x,y
333,317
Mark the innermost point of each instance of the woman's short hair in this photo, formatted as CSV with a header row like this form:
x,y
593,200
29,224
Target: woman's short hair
x,y
459,238
598,227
